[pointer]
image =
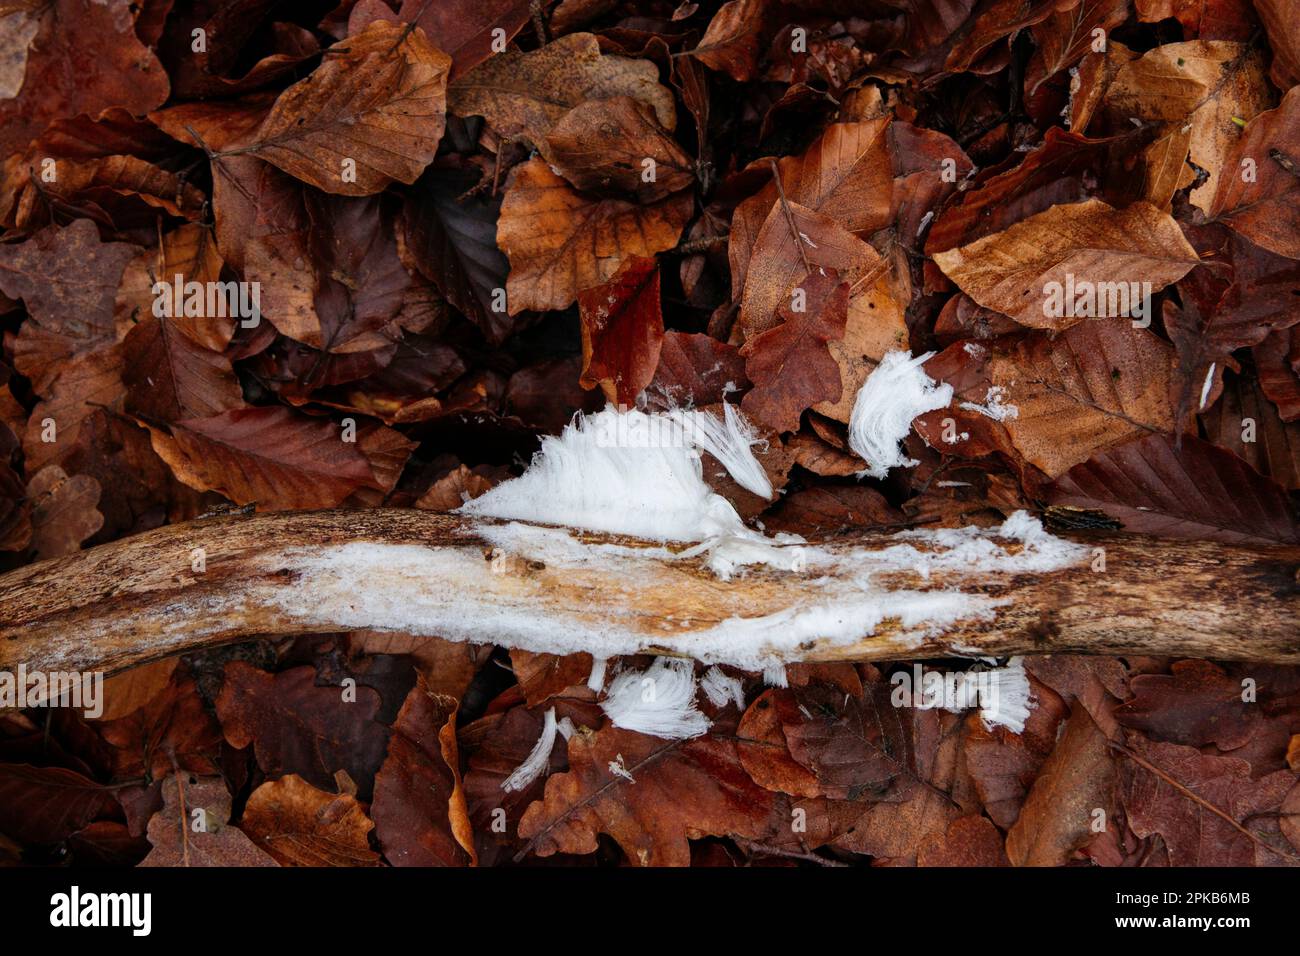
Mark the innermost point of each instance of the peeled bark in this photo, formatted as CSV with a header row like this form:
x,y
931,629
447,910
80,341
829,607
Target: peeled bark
x,y
140,599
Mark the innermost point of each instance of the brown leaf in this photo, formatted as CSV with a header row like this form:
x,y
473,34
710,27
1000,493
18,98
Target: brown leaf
x,y
697,369
1197,705
791,365
448,667
1179,802
603,146
1009,271
170,377
682,789
1067,35
123,72
731,44
1196,491
1283,38
786,250
377,99
1211,86
1060,812
193,827
299,825
1101,383
297,727
84,382
844,175
1263,206
453,489
68,279
561,243
622,331
466,29
44,805
543,676
63,511
272,456
452,237
764,753
525,94
1242,413
421,818
1277,359
968,841
127,692
173,730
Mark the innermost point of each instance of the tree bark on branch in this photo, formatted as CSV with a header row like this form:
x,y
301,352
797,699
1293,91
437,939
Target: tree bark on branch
x,y
140,598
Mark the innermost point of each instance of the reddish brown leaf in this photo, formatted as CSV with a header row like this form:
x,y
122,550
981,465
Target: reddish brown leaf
x,y
193,827
297,727
1196,491
622,331
791,365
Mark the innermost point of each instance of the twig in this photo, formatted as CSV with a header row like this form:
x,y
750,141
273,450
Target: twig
x,y
789,216
765,849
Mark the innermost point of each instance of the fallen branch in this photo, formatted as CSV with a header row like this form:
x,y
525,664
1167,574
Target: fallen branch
x,y
141,599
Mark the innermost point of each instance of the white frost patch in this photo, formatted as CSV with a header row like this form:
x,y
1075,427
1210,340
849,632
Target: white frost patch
x,y
775,676
1011,697
537,760
619,769
895,392
994,406
596,680
721,689
838,602
1205,388
633,473
659,701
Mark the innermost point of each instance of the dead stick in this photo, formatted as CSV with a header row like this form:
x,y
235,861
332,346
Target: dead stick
x,y
219,580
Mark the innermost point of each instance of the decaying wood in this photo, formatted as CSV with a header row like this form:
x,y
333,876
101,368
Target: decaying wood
x,y
140,599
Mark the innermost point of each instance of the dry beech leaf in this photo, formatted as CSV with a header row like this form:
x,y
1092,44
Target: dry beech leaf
x,y
622,332
169,377
845,175
1091,241
467,29
784,251
300,825
421,817
372,113
272,456
1058,815
1195,490
697,369
1211,86
1265,207
791,365
525,94
127,692
1099,384
606,145
123,72
1067,35
561,243
453,489
85,382
731,43
1244,412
